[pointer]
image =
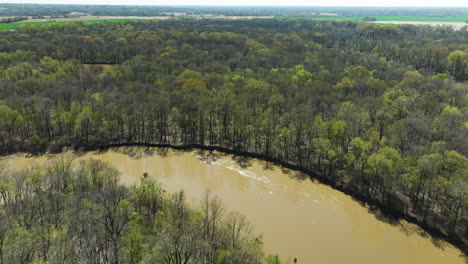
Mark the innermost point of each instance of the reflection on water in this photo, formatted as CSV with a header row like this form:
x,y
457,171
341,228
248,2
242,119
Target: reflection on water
x,y
298,218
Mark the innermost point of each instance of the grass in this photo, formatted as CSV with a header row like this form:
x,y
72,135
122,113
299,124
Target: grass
x,y
5,27
394,18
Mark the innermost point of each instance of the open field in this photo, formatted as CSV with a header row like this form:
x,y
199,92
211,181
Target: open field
x,y
393,18
422,18
5,27
455,25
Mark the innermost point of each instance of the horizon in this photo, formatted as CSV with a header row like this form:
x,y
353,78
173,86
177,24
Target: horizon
x,y
258,3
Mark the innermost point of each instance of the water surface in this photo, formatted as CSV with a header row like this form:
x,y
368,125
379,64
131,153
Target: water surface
x,y
297,217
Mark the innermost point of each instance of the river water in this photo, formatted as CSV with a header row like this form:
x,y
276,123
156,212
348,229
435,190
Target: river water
x,y
297,217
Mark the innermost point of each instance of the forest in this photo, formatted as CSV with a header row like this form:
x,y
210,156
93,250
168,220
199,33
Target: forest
x,y
63,213
378,111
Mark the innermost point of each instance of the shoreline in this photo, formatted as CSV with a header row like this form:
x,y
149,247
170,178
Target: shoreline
x,y
312,175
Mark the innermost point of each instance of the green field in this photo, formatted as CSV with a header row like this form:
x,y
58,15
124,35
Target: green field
x,y
395,18
5,27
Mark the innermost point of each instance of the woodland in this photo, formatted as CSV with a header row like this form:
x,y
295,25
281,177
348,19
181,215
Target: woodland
x,y
63,213
379,111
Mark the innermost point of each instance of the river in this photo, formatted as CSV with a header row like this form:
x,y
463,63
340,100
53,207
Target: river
x,y
297,217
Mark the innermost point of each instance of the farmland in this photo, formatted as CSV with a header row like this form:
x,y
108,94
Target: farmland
x,y
391,18
5,27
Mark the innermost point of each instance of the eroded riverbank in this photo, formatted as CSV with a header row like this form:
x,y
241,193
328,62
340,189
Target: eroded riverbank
x,y
298,218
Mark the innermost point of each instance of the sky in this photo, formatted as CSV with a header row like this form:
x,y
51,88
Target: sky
x,y
387,3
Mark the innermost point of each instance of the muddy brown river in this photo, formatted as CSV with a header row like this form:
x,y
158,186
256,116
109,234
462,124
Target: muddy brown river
x,y
298,218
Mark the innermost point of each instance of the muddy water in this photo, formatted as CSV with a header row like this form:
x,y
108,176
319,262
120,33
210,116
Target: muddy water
x,y
298,218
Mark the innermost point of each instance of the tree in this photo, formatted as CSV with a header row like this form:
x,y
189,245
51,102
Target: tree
x,y
10,121
458,64
382,167
178,242
367,18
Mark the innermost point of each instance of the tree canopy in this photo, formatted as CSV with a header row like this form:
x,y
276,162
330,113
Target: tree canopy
x,y
377,110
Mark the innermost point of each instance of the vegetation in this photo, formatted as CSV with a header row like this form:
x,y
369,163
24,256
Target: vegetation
x,y
422,18
369,19
377,110
45,10
8,26
386,18
5,27
12,19
65,214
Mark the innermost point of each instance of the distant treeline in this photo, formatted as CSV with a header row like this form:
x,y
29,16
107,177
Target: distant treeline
x,y
109,10
378,110
12,19
369,19
80,214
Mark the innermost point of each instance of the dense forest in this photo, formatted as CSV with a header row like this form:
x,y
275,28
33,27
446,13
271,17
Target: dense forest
x,y
40,10
377,110
80,214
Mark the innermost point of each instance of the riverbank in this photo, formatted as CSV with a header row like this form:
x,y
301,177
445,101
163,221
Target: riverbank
x,y
373,204
298,217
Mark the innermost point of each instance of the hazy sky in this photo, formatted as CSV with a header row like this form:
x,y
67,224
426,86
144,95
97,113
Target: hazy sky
x,y
425,3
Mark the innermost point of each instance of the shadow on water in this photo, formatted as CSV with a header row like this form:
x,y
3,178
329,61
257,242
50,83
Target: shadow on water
x,y
285,171
299,176
379,215
243,162
405,227
137,152
162,152
267,165
82,153
205,156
